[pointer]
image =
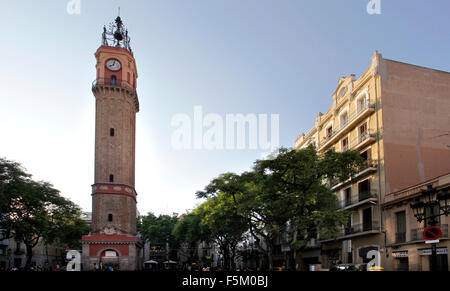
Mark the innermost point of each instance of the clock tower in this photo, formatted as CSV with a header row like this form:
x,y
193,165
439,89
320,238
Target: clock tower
x,y
113,240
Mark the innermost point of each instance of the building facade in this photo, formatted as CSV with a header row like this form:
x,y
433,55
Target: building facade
x,y
406,249
113,239
396,116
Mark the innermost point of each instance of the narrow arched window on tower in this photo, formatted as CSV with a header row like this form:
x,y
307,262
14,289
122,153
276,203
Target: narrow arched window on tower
x,y
113,80
111,132
110,217
111,178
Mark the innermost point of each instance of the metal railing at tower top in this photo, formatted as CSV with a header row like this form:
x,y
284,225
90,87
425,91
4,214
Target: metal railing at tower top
x,y
113,83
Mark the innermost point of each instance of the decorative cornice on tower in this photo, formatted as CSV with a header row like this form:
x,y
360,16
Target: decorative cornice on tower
x,y
104,87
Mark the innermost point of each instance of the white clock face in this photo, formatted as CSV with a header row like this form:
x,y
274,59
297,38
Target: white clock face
x,y
113,65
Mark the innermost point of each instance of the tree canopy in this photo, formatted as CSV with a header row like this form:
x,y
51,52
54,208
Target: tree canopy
x,y
33,210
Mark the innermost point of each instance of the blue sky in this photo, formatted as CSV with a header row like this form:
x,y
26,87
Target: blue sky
x,y
229,56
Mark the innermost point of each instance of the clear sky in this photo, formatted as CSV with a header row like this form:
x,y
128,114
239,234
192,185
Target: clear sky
x,y
228,56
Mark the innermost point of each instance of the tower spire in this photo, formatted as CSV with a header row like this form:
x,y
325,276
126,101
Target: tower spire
x,y
116,34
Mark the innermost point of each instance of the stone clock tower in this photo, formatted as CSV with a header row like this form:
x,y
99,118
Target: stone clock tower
x,y
113,240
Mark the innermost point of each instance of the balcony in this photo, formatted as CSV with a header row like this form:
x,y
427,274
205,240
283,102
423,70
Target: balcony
x,y
362,112
354,231
369,167
400,237
116,84
313,243
373,226
417,233
365,140
113,83
361,198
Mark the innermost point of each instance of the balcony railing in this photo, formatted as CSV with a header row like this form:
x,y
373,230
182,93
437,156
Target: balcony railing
x,y
359,112
417,233
364,195
119,84
359,228
360,197
400,237
113,83
365,136
367,167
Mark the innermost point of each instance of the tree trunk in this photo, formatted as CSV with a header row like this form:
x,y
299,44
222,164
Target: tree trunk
x,y
270,256
29,256
300,263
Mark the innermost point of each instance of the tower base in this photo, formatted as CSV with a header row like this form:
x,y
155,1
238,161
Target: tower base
x,y
121,252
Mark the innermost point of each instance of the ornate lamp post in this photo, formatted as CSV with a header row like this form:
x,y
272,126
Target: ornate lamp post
x,y
424,210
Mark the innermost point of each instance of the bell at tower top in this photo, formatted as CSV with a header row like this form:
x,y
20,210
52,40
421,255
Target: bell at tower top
x,y
116,35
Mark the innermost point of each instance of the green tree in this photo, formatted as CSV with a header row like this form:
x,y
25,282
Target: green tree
x,y
12,179
36,210
287,197
290,197
188,232
158,230
220,216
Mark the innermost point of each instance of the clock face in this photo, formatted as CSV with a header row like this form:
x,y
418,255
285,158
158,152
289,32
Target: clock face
x,y
113,65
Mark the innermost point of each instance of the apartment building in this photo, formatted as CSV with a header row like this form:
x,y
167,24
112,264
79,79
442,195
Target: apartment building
x,y
397,116
406,249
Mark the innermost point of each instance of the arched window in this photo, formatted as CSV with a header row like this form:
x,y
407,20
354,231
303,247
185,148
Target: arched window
x,y
111,178
113,80
110,217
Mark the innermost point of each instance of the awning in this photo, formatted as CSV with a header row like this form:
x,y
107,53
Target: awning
x,y
427,252
400,254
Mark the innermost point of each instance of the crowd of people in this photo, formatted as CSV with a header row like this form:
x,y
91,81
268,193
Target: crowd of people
x,y
36,268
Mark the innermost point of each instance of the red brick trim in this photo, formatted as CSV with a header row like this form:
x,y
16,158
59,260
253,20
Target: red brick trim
x,y
114,189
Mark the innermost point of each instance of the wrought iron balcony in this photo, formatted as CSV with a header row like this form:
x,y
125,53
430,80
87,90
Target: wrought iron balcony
x,y
417,233
359,199
364,195
400,237
360,228
362,111
113,83
364,140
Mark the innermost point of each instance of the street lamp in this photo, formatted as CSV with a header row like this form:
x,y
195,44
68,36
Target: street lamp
x,y
418,208
432,198
444,197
